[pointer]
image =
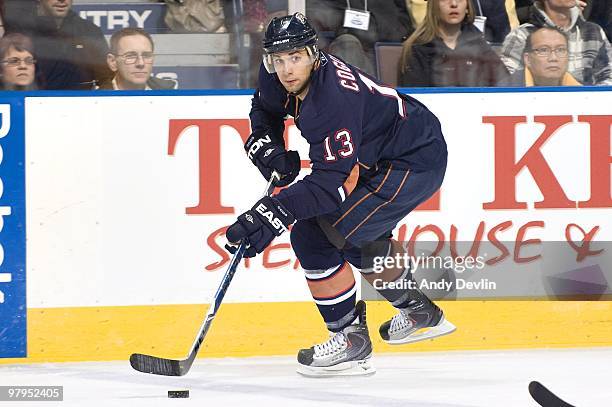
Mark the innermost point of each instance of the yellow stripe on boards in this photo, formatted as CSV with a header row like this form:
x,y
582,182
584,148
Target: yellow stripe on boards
x,y
259,329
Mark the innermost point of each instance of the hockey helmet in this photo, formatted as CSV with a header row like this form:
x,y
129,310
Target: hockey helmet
x,y
288,33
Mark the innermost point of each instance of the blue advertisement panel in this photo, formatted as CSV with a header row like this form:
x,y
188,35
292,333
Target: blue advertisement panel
x,y
12,228
112,17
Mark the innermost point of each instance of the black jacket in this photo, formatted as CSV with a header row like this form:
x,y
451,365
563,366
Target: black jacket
x,y
153,83
600,12
517,79
498,23
18,15
389,20
472,63
72,56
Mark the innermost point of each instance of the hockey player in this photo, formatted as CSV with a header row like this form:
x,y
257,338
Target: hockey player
x,y
376,154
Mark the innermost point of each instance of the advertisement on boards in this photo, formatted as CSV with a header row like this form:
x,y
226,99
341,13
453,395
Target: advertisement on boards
x,y
148,188
12,229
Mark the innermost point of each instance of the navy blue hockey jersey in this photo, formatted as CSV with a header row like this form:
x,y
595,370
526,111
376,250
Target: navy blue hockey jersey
x,y
351,122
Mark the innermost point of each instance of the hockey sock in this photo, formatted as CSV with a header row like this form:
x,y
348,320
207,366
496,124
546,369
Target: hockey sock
x,y
334,293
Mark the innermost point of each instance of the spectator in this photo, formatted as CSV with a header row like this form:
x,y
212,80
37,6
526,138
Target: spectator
x,y
448,50
131,59
590,53
546,61
17,62
500,16
497,25
71,50
194,16
524,8
389,21
247,24
596,11
349,48
18,15
600,13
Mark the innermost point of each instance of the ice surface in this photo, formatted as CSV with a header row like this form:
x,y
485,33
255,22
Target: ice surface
x,y
436,379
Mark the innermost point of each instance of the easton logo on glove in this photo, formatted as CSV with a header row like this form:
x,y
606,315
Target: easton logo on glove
x,y
257,143
259,226
274,221
274,157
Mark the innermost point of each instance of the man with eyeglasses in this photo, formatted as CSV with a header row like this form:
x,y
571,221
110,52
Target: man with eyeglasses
x,y
546,60
131,59
589,51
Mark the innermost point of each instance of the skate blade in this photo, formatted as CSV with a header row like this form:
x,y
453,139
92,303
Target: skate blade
x,y
353,368
443,328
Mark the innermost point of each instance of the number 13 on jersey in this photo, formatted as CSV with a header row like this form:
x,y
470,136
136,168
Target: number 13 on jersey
x,y
346,150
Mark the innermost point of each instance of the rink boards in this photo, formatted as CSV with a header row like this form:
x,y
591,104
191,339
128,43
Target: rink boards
x,y
113,240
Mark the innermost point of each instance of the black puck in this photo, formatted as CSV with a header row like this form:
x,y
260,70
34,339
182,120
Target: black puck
x,y
178,394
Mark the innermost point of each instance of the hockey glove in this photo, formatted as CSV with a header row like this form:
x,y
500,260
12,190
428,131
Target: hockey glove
x,y
259,226
268,155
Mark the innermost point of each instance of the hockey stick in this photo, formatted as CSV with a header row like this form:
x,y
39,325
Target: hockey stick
x,y
172,367
545,397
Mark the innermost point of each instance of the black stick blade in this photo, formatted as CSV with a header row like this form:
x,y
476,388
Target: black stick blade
x,y
155,365
545,397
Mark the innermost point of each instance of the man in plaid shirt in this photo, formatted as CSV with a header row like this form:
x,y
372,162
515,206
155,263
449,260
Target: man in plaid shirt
x,y
590,53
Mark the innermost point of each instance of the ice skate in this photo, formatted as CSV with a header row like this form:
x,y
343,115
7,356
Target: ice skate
x,y
346,353
413,325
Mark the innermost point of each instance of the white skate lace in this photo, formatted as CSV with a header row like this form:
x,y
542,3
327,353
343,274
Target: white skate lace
x,y
399,322
336,343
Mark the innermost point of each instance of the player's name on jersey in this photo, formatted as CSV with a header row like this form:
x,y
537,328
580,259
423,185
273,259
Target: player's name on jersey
x,y
424,284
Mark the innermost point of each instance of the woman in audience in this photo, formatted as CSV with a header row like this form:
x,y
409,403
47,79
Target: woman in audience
x,y
17,63
448,50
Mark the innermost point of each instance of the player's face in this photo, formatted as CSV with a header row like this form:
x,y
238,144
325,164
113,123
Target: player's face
x,y
548,58
452,12
56,8
293,68
133,62
18,68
